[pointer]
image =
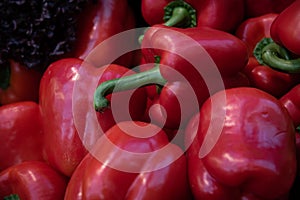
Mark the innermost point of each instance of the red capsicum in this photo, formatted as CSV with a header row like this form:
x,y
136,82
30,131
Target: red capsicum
x,y
63,148
18,83
190,13
100,20
285,29
243,149
32,180
21,133
253,29
255,32
255,8
133,160
291,101
221,55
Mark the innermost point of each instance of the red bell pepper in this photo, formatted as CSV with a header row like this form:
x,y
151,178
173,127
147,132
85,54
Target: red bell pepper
x,y
243,147
190,13
18,83
97,22
285,29
222,56
32,180
291,101
62,148
270,80
133,160
59,99
255,8
21,133
253,32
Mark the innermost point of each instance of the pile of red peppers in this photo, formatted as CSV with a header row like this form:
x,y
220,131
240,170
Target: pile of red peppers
x,y
207,107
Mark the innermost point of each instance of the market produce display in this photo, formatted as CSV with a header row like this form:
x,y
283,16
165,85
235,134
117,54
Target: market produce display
x,y
150,99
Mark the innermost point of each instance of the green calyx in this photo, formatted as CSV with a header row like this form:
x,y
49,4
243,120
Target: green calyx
x,y
4,77
134,81
12,197
178,13
267,52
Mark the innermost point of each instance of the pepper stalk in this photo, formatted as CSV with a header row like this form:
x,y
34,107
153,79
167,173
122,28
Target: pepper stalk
x,y
178,13
134,81
267,52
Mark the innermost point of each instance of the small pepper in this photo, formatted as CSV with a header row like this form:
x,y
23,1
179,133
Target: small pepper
x,y
32,180
21,133
18,83
190,13
134,160
285,30
243,147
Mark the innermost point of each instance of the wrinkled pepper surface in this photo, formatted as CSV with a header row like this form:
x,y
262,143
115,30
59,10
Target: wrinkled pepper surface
x,y
32,180
21,133
191,13
250,155
134,160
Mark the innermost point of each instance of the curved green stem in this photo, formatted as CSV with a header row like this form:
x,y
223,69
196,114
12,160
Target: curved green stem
x,y
269,53
178,13
134,81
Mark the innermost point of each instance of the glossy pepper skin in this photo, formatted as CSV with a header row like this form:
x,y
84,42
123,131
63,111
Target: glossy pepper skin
x,y
291,100
270,80
263,76
62,148
214,14
255,8
18,83
100,20
285,29
253,29
253,153
225,54
121,175
32,180
21,133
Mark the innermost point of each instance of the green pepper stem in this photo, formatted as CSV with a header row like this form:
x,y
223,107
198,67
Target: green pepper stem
x,y
178,13
271,58
134,81
267,52
4,77
12,197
